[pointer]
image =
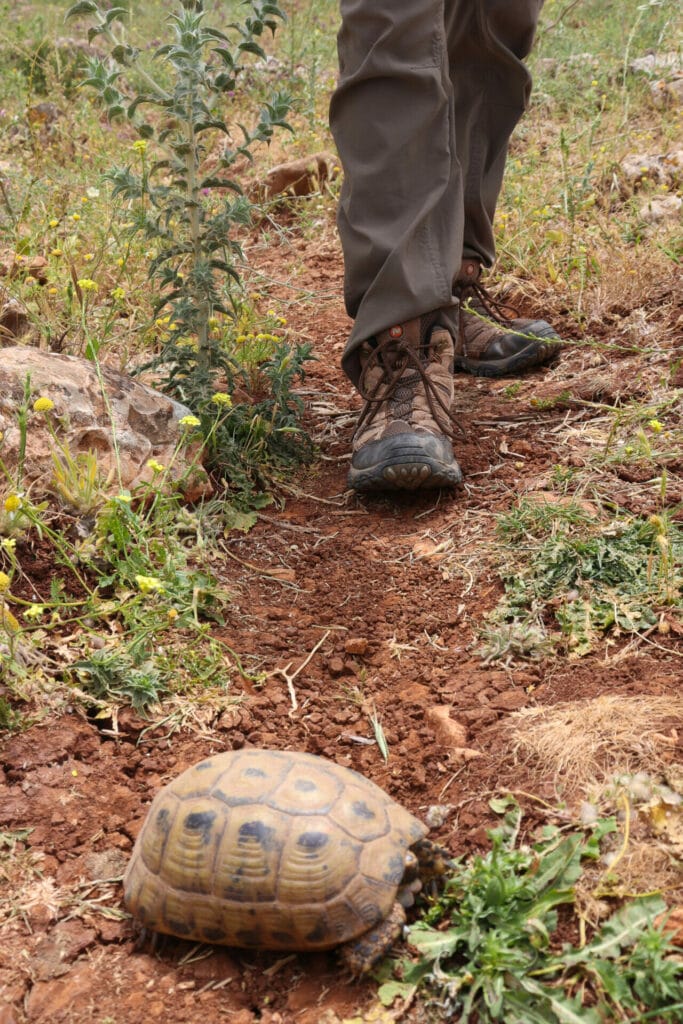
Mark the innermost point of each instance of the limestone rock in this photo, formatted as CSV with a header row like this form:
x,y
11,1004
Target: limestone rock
x,y
131,417
659,209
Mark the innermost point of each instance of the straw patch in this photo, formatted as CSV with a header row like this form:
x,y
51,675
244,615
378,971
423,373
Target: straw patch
x,y
580,742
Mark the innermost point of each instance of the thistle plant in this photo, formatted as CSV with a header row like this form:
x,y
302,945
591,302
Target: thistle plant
x,y
180,189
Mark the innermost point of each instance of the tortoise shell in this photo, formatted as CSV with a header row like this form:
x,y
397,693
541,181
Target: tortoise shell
x,y
269,850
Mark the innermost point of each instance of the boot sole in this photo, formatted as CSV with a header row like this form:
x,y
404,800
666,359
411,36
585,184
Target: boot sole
x,y
531,356
404,465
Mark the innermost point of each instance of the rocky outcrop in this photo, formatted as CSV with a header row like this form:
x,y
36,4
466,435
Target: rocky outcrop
x,y
125,423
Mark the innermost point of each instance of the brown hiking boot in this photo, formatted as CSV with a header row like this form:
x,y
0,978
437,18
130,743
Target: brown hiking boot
x,y
402,438
490,343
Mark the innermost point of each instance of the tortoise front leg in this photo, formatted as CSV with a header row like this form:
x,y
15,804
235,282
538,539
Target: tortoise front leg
x,y
361,954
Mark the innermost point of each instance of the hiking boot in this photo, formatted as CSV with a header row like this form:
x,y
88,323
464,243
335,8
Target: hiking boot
x,y
402,440
490,343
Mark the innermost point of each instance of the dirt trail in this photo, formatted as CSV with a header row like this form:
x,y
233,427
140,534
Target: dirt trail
x,y
387,594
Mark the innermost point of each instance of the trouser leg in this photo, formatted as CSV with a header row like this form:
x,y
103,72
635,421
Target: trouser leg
x,y
487,41
393,115
400,214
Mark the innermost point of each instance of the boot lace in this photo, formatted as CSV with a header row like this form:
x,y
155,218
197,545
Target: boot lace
x,y
475,298
398,387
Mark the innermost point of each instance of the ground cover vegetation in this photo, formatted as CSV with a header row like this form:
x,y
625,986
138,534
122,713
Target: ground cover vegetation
x,y
136,138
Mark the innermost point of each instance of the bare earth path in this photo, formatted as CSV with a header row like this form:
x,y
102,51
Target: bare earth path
x,y
353,609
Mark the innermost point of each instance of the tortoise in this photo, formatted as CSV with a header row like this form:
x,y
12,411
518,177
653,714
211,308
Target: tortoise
x,y
266,849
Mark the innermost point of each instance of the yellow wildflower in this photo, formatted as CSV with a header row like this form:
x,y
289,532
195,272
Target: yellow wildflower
x,y
88,256
76,216
172,614
43,404
54,223
155,466
118,294
221,398
86,284
149,585
190,421
139,146
124,497
8,621
57,252
52,291
34,612
655,426
12,503
4,582
8,544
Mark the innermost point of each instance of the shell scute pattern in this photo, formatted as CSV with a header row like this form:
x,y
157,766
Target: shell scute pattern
x,y
268,849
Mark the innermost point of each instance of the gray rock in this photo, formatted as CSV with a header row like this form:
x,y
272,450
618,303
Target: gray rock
x,y
124,422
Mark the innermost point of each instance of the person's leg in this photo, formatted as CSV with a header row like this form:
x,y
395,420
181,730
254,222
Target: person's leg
x,y
401,227
400,215
491,87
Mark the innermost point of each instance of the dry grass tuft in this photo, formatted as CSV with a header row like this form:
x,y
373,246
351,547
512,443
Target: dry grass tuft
x,y
587,741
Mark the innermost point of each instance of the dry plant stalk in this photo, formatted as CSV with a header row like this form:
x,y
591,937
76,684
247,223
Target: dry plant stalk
x,y
579,742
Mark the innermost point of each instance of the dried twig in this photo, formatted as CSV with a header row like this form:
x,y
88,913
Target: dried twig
x,y
289,677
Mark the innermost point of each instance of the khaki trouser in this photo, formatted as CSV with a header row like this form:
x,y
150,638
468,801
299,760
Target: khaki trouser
x,y
429,92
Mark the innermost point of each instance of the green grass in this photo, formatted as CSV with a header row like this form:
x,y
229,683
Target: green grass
x,y
571,578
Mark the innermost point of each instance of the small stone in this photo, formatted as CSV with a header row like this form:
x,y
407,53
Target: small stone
x,y
447,731
356,645
461,755
510,700
335,666
437,815
112,931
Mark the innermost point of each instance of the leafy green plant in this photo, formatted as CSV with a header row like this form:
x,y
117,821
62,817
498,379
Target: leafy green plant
x,y
183,197
115,675
488,952
563,564
144,570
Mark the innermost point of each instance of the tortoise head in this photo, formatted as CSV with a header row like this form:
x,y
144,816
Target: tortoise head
x,y
433,861
426,863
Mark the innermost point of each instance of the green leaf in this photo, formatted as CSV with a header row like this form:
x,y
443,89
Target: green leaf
x,y
432,943
622,929
392,990
81,8
565,1009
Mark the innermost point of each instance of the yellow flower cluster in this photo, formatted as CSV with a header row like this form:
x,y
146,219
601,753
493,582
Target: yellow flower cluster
x,y
190,421
4,582
43,404
86,284
149,585
241,339
221,398
155,466
12,503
